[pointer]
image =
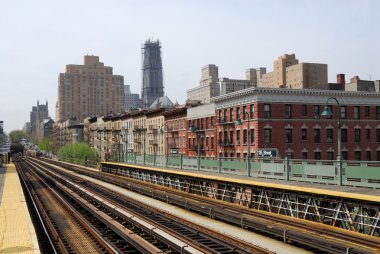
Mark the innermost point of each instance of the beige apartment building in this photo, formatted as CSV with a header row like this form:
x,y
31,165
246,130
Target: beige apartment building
x,y
277,78
289,73
155,134
306,75
208,85
88,90
139,132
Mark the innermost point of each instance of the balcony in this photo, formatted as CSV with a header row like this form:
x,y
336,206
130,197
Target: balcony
x,y
225,122
153,142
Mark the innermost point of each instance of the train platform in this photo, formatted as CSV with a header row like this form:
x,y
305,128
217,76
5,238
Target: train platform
x,y
349,192
17,234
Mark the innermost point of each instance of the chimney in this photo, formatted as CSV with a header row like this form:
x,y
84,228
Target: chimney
x,y
340,79
354,79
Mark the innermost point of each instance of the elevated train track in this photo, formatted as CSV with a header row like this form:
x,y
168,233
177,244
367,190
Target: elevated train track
x,y
321,236
165,234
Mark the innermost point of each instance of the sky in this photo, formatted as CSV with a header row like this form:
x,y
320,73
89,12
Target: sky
x,y
39,37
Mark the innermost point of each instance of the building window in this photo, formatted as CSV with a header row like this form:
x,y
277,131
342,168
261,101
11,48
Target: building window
x,y
231,137
316,111
212,143
317,136
244,112
366,111
267,113
343,135
225,115
288,111
238,137
212,122
330,156
317,155
343,112
357,135
245,138
330,133
377,112
304,155
267,136
378,135
225,137
378,155
304,110
304,134
344,155
358,155
237,113
288,136
368,134
231,114
220,116
368,155
357,112
206,123
252,111
252,136
220,138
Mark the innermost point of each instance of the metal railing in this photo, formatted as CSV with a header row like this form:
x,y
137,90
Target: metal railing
x,y
355,173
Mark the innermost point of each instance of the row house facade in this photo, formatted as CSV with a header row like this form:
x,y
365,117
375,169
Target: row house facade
x,y
288,122
66,132
155,133
202,119
175,131
139,132
127,132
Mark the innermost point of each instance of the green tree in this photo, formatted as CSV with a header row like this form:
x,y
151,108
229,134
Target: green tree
x,y
77,152
17,135
46,145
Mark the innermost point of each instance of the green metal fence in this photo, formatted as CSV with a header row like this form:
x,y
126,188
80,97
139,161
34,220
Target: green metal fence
x,y
354,173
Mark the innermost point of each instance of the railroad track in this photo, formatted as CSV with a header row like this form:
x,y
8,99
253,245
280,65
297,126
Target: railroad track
x,y
322,237
180,236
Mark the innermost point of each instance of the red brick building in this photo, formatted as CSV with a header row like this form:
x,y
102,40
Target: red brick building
x,y
175,130
202,118
288,122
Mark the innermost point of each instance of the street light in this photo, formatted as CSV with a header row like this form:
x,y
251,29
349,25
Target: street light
x,y
192,129
327,112
139,130
162,131
239,122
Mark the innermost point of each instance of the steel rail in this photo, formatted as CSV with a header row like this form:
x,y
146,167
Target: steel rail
x,y
236,244
282,225
70,212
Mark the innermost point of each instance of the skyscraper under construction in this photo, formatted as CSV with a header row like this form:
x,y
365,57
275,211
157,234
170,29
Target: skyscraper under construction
x,y
152,81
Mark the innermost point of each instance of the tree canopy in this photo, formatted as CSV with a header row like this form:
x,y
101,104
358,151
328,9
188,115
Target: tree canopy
x,y
78,152
46,145
17,135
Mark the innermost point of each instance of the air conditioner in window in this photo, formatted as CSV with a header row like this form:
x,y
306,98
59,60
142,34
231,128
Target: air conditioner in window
x,y
329,140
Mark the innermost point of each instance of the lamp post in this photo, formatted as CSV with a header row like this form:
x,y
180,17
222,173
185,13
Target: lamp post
x,y
164,132
139,130
239,122
192,129
327,112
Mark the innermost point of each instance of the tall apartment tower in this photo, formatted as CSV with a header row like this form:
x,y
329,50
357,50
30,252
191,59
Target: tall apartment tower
x,y
152,83
88,90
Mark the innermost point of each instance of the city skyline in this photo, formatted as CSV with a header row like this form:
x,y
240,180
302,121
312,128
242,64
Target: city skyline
x,y
41,37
